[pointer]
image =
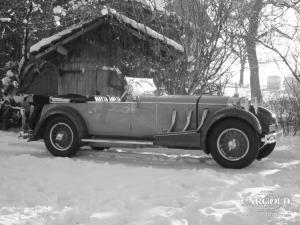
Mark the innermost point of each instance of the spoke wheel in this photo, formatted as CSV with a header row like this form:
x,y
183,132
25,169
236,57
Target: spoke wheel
x,y
61,137
233,143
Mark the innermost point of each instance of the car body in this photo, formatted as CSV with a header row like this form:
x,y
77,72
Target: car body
x,y
235,133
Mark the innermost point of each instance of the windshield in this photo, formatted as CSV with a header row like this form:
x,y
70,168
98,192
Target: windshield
x,y
141,86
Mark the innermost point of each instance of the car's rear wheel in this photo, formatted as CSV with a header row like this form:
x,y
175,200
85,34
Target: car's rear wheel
x,y
265,150
61,137
233,143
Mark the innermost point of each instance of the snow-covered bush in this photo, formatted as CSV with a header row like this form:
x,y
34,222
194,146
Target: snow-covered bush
x,y
286,105
10,83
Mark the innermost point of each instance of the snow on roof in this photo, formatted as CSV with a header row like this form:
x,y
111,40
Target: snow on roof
x,y
56,37
147,30
106,11
114,68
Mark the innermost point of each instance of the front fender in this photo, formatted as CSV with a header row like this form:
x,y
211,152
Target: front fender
x,y
266,119
227,113
65,111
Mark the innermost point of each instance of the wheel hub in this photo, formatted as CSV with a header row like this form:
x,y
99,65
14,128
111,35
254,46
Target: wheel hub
x,y
231,145
59,137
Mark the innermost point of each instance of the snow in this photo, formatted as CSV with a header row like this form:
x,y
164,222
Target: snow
x,y
141,186
141,27
47,41
148,31
58,9
113,69
3,20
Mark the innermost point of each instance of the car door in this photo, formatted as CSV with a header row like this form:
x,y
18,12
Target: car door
x,y
151,118
143,119
109,119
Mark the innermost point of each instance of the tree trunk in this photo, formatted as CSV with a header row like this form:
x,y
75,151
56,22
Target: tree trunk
x,y
242,70
254,19
254,71
25,55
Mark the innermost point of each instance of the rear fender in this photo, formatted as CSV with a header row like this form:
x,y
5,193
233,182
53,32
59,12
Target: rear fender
x,y
65,111
227,113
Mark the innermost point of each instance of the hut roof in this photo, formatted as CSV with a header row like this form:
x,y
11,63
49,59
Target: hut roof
x,y
51,43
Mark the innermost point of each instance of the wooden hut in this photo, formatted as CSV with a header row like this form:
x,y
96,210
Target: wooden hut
x,y
94,56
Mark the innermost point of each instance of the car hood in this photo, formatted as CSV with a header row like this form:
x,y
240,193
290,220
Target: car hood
x,y
205,99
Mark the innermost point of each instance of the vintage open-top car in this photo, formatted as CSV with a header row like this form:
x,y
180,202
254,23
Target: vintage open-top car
x,y
233,131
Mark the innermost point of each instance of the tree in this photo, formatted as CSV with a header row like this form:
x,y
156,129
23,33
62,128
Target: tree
x,y
282,38
248,23
250,39
244,29
22,23
207,47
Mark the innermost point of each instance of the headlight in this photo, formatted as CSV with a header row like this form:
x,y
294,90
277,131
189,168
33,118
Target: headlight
x,y
244,103
275,118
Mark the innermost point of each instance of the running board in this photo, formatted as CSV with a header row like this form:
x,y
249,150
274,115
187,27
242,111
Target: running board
x,y
187,139
118,142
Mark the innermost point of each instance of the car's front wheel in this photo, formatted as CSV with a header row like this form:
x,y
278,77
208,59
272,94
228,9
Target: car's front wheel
x,y
233,143
61,137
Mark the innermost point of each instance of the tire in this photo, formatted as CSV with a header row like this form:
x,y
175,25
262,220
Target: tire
x,y
265,151
64,129
98,148
233,134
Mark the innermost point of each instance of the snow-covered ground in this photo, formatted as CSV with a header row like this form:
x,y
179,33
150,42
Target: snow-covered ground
x,y
118,188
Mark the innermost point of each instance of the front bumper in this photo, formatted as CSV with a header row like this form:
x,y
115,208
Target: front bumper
x,y
272,137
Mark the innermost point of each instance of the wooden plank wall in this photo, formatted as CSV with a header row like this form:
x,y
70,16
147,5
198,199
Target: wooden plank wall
x,y
83,72
85,78
45,83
